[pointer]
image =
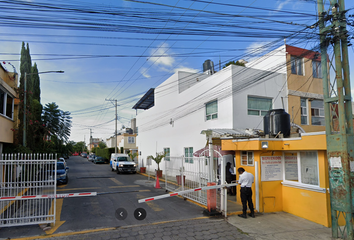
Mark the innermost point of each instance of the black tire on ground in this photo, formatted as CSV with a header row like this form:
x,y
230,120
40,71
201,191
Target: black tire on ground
x,y
118,171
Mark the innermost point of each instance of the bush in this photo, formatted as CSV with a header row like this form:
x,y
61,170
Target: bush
x,y
105,153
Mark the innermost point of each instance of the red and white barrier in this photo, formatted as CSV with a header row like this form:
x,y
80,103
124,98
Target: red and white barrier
x,y
50,196
186,191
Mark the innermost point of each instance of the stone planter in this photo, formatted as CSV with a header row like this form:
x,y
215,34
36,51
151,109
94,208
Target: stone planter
x,y
142,169
159,173
179,180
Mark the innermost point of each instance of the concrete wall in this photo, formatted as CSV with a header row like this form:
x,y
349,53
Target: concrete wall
x,y
6,134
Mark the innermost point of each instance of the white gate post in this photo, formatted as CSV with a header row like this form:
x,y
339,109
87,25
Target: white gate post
x,y
223,190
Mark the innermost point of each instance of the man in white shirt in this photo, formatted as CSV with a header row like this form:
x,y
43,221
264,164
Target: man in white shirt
x,y
245,180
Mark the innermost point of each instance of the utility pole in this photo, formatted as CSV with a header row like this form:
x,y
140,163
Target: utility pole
x,y
338,115
90,139
116,118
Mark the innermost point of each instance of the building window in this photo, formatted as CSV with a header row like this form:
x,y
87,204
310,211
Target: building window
x,y
303,102
317,113
211,110
302,167
6,104
296,65
247,158
167,154
9,103
131,139
258,106
188,154
2,102
316,69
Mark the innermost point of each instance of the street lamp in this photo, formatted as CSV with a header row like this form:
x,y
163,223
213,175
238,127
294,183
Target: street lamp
x,y
25,101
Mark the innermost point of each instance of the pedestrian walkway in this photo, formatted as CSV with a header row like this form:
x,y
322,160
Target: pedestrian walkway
x,y
280,226
201,228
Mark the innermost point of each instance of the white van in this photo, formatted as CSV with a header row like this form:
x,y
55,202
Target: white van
x,y
122,163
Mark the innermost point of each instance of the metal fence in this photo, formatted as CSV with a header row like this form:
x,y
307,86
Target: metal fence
x,y
24,175
183,173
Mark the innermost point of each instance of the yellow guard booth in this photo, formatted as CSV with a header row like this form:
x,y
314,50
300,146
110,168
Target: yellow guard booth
x,y
291,174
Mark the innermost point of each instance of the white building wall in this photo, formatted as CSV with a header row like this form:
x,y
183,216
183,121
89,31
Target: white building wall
x,y
274,61
265,84
177,119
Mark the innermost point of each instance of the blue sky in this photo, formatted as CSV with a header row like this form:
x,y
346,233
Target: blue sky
x,y
127,47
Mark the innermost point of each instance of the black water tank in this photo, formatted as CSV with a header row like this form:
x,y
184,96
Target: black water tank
x,y
275,121
208,66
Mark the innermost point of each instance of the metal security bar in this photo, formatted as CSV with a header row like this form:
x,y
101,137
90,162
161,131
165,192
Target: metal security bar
x,y
24,175
185,173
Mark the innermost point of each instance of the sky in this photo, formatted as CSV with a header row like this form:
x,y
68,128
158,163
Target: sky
x,y
118,50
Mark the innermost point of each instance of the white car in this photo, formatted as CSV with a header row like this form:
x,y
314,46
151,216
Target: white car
x,y
122,163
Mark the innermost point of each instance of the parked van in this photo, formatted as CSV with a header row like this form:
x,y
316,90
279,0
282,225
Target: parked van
x,y
122,163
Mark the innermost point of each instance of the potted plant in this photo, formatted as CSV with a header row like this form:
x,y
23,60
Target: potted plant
x,y
158,159
134,155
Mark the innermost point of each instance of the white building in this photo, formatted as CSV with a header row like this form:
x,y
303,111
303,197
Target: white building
x,y
187,103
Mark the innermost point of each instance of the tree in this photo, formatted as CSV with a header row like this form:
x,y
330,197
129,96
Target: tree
x,y
157,159
234,63
57,122
102,145
36,83
25,67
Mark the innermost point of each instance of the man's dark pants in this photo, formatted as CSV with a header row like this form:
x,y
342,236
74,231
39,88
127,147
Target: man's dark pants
x,y
246,196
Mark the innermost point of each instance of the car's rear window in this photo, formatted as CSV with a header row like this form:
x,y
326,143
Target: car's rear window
x,y
60,166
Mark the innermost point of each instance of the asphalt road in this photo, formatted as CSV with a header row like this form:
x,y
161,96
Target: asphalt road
x,y
98,212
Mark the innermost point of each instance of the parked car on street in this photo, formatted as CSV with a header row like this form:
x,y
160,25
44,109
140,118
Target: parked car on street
x,y
91,157
122,163
100,160
75,154
84,155
62,160
62,173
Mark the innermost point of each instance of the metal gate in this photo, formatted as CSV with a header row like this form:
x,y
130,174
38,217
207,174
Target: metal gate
x,y
24,175
183,173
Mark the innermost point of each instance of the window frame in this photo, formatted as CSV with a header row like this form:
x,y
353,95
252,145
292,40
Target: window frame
x,y
187,157
316,69
319,110
213,115
295,65
299,182
261,112
129,140
247,153
7,110
167,154
305,110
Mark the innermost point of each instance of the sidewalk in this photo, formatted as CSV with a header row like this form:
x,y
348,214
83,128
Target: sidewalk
x,y
280,226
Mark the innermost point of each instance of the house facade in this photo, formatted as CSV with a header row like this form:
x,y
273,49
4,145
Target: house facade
x,y
8,111
187,103
126,140
304,82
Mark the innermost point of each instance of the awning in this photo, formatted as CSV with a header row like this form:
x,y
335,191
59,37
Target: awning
x,y
217,152
147,101
231,133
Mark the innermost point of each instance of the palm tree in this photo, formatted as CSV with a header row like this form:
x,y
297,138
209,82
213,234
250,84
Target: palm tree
x,y
157,159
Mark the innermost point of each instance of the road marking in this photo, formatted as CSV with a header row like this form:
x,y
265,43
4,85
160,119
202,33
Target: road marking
x,y
152,205
116,181
58,209
12,202
105,229
132,186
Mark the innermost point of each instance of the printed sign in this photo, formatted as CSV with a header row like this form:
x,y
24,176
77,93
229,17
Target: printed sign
x,y
271,168
336,162
291,170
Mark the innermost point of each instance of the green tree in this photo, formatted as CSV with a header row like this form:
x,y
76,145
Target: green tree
x,y
25,67
102,145
57,122
157,159
234,63
36,83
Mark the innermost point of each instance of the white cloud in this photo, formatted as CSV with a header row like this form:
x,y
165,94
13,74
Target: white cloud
x,y
281,4
145,73
256,49
162,56
185,69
